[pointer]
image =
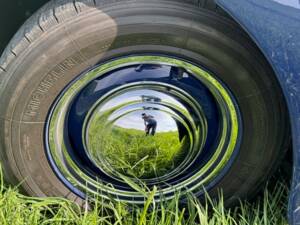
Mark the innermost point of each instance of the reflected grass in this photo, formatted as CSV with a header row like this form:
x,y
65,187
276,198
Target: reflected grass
x,y
131,152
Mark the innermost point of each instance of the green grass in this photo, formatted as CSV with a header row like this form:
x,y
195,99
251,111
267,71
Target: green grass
x,y
269,208
17,209
130,151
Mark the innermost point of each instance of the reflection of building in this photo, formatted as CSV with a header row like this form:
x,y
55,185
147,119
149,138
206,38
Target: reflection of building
x,y
149,98
150,108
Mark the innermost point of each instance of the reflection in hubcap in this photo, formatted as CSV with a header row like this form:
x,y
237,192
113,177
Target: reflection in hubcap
x,y
145,131
159,120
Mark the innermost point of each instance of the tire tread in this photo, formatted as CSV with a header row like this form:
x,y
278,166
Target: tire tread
x,y
57,11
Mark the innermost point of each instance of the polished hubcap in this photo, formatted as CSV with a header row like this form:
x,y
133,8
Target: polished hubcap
x,y
145,130
143,119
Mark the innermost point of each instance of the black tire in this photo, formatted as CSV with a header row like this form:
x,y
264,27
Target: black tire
x,y
64,38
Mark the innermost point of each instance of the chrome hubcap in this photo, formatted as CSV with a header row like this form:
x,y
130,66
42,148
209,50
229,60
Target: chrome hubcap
x,y
151,119
145,130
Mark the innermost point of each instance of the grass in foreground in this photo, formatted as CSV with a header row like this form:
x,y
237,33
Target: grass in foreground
x,y
17,209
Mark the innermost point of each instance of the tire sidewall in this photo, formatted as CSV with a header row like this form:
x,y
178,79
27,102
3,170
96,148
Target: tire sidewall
x,y
69,49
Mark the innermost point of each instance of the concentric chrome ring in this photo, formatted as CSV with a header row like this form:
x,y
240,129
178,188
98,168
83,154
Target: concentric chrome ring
x,y
152,119
120,111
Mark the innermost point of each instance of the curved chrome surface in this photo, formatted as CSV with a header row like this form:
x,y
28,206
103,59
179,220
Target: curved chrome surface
x,y
122,112
145,130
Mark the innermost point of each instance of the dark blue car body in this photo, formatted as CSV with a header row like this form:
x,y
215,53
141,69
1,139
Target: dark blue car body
x,y
275,27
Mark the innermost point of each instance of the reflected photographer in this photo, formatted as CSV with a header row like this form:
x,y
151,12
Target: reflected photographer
x,y
150,124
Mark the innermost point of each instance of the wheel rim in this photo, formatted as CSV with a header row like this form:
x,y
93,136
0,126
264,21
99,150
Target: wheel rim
x,y
96,138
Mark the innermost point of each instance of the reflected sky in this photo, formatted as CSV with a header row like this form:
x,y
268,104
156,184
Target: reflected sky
x,y
139,95
138,102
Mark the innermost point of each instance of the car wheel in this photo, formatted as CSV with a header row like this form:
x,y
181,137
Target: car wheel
x,y
169,93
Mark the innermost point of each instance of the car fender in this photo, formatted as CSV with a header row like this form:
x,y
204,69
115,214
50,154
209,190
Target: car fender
x,y
275,27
